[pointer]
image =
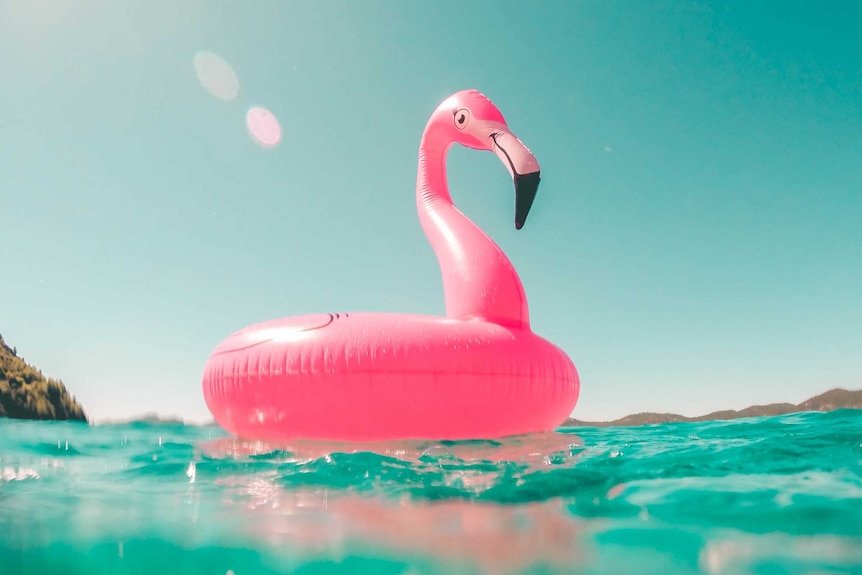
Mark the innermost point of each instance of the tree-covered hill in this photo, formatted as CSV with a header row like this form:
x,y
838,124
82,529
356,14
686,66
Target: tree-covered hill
x,y
26,394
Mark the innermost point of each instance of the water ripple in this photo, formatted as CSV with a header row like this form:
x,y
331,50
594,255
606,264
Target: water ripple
x,y
767,495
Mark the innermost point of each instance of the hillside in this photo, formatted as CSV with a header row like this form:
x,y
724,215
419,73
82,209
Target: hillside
x,y
26,394
833,399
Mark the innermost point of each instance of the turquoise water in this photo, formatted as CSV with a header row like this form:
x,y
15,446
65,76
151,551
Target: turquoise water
x,y
770,496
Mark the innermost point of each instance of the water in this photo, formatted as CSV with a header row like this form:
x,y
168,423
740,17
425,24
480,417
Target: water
x,y
767,496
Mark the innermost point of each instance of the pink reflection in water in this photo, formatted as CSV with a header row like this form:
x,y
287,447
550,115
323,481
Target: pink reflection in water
x,y
494,539
263,126
321,522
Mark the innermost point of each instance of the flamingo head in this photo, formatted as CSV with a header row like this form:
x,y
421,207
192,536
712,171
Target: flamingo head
x,y
469,118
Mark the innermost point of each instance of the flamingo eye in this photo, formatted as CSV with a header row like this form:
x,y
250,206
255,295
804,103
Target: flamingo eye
x,y
462,118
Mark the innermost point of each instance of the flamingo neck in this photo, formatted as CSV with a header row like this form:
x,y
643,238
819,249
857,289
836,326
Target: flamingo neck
x,y
479,281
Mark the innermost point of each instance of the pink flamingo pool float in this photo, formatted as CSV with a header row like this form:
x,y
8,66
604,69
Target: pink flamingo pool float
x,y
477,373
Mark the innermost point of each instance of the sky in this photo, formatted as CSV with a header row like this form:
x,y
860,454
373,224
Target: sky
x,y
171,172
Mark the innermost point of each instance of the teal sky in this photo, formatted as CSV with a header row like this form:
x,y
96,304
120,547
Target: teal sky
x,y
696,243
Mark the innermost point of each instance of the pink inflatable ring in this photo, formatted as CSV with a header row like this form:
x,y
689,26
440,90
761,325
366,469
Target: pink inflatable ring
x,y
479,372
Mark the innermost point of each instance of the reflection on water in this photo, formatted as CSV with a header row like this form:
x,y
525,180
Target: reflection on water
x,y
492,537
333,520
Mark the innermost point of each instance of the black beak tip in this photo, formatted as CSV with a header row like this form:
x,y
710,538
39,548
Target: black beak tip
x,y
526,186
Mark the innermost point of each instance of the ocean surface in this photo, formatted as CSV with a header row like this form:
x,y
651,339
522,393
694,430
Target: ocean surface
x,y
768,496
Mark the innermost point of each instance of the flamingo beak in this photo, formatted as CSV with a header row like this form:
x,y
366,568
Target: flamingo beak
x,y
523,168
526,187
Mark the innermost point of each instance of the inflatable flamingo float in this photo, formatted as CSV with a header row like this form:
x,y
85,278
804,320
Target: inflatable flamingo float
x,y
477,373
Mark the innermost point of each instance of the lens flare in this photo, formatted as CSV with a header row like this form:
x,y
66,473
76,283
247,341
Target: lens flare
x,y
216,76
263,126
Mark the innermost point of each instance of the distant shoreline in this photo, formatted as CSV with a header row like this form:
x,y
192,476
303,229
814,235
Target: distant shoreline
x,y
829,401
152,417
